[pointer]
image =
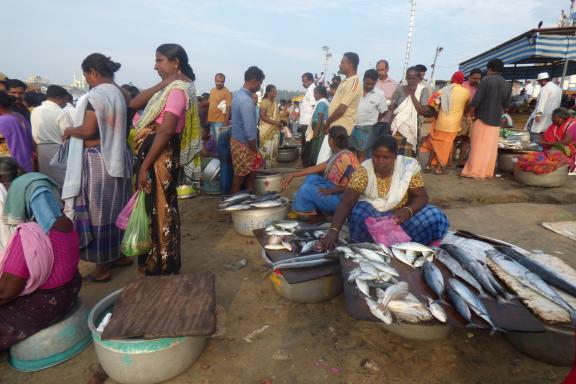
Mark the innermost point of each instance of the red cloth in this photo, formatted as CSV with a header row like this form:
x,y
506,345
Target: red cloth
x,y
556,133
542,163
457,77
66,247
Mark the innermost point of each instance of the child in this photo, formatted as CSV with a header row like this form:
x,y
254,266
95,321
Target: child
x,y
208,142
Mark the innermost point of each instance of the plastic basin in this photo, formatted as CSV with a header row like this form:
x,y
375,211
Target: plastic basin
x,y
140,361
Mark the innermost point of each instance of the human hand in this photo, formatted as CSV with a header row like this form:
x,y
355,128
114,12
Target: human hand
x,y
327,242
400,216
144,181
286,181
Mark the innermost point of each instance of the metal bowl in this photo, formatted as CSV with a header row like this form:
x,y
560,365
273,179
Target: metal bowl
x,y
55,344
246,221
264,183
308,292
555,346
211,170
506,162
287,154
553,179
140,361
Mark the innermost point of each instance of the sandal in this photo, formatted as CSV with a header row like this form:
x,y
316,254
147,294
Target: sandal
x,y
91,279
439,172
427,170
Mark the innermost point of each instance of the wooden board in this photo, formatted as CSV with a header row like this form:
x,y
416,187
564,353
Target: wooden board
x,y
164,306
564,228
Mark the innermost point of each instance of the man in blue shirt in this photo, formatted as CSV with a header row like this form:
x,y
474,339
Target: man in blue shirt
x,y
245,155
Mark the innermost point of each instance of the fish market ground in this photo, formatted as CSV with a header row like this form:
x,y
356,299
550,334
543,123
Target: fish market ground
x,y
321,343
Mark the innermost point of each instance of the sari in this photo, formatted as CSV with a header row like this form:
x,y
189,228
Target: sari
x,y
405,123
308,198
556,134
381,196
179,160
17,133
269,135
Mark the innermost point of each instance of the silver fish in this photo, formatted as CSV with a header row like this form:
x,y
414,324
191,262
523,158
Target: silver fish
x,y
473,302
401,255
419,262
287,245
267,204
394,292
302,264
474,267
412,246
383,267
316,256
380,314
288,225
369,254
307,247
319,234
387,251
409,310
275,247
277,232
274,240
498,287
459,303
242,196
411,256
456,269
348,253
530,280
239,207
437,310
363,287
434,278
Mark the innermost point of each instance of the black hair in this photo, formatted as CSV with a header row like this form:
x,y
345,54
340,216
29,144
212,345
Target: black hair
x,y
175,51
322,91
206,126
496,65
382,61
10,169
475,71
309,76
6,100
42,97
339,135
561,112
386,141
371,74
254,73
412,69
282,101
269,89
353,58
56,91
101,64
32,99
334,85
15,83
199,98
70,98
421,68
219,74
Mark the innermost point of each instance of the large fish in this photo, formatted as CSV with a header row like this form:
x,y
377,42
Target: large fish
x,y
369,254
267,204
409,309
456,269
235,199
378,312
530,280
437,310
433,278
459,304
394,292
541,270
237,207
401,255
474,267
412,246
296,264
472,301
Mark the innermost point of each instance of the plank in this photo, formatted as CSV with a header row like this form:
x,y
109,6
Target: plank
x,y
164,306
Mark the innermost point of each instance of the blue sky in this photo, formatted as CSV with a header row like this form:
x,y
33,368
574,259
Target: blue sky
x,y
284,38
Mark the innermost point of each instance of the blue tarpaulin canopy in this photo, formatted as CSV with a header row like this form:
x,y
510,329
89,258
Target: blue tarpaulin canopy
x,y
535,51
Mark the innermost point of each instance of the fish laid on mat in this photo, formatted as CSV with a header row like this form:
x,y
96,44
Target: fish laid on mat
x,y
378,312
472,301
457,270
459,304
437,310
433,278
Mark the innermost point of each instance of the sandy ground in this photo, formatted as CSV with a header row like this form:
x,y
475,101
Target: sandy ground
x,y
321,343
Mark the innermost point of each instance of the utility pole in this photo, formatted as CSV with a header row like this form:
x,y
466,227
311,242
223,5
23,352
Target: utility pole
x,y
438,51
327,56
410,35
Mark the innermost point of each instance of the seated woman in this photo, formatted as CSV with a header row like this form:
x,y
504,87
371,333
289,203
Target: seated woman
x,y
388,184
323,193
39,281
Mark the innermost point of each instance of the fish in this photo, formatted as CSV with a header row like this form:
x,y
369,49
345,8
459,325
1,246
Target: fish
x,y
267,204
236,200
315,256
381,284
433,278
380,314
371,246
348,253
475,268
237,197
437,310
459,304
303,264
266,197
319,234
409,310
287,245
239,207
275,247
411,256
277,232
530,280
457,270
419,262
387,251
394,292
369,268
383,267
412,246
401,255
363,287
472,300
287,225
309,246
274,240
368,254
541,270
499,288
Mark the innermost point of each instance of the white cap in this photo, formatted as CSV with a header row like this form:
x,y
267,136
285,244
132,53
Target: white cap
x,y
543,76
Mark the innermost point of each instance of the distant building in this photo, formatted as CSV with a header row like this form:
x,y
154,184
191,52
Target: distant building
x,y
79,83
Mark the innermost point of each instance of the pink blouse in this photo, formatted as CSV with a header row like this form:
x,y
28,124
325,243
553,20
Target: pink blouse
x,y
66,247
175,104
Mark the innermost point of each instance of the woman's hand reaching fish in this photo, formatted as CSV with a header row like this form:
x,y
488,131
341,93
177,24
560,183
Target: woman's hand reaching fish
x,y
327,242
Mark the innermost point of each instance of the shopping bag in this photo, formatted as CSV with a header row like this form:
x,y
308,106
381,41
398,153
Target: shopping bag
x,y
124,216
385,231
60,158
137,239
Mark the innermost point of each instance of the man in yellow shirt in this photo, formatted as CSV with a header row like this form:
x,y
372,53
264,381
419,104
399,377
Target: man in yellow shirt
x,y
220,106
344,105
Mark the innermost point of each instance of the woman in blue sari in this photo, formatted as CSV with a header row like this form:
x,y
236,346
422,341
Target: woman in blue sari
x,y
388,184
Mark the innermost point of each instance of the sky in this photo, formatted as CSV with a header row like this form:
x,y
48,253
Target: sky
x,y
284,38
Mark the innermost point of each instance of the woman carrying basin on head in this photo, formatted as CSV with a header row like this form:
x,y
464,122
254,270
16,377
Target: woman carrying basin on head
x,y
169,147
388,184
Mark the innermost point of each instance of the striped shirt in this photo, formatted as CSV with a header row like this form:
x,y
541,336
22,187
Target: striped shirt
x,y
349,93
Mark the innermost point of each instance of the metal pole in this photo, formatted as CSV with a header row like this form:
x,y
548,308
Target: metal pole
x,y
438,50
410,35
565,69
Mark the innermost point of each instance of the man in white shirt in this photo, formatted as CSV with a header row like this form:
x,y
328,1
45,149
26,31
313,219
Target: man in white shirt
x,y
70,109
549,99
306,109
371,109
48,124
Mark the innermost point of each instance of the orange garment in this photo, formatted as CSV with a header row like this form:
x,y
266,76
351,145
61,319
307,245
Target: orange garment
x,y
484,151
440,144
215,115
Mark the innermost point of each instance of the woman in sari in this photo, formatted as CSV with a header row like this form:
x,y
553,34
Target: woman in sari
x,y
39,279
316,130
98,181
15,134
453,100
322,194
388,184
269,128
168,140
409,102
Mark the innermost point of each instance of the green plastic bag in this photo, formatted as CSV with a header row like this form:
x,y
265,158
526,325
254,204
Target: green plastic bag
x,y
137,239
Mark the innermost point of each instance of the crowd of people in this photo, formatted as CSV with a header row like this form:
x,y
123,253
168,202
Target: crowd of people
x,y
66,171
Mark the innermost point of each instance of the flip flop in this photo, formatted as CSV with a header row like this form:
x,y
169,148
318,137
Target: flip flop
x,y
91,279
126,263
427,170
